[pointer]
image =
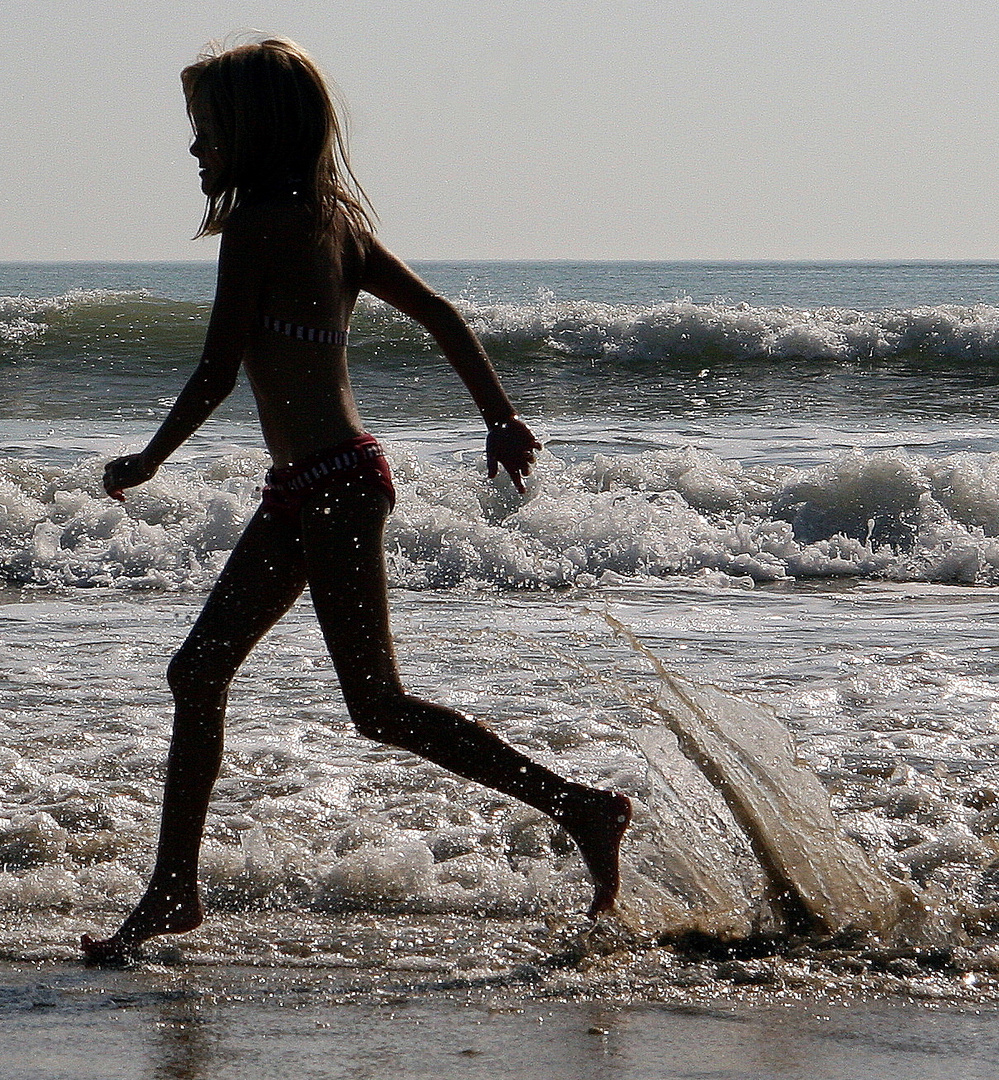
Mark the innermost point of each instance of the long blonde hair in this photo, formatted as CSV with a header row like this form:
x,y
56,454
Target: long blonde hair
x,y
272,121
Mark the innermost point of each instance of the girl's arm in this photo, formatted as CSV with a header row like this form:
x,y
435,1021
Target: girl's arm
x,y
509,442
215,376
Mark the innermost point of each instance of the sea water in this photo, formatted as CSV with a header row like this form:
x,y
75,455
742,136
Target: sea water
x,y
782,480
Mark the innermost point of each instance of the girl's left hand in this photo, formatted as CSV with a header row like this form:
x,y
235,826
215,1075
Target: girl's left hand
x,y
126,472
512,445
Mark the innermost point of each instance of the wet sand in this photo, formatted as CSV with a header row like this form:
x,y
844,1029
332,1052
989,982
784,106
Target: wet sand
x,y
62,1021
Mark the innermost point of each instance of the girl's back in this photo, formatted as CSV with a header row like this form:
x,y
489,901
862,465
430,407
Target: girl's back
x,y
295,279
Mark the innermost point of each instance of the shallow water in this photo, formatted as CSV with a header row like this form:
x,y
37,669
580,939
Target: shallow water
x,y
309,820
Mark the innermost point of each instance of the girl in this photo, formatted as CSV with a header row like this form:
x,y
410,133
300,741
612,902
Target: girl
x,y
297,246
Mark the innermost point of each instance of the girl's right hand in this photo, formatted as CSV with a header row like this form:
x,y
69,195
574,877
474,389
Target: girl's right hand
x,y
126,472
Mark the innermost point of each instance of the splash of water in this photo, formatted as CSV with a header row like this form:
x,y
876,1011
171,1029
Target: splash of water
x,y
819,881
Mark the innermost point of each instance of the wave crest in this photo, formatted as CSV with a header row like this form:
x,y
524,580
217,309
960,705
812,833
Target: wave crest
x,y
739,333
542,331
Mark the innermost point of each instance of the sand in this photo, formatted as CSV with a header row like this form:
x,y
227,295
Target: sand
x,y
62,1021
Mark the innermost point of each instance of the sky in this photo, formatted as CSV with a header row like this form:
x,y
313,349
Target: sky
x,y
519,129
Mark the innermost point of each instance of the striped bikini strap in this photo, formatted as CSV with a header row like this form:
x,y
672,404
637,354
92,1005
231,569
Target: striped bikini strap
x,y
304,333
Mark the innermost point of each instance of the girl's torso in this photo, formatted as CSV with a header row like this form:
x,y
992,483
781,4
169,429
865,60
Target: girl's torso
x,y
302,387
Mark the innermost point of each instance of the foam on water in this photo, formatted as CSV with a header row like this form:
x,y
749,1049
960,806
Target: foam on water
x,y
309,823
655,515
683,331
81,316
309,818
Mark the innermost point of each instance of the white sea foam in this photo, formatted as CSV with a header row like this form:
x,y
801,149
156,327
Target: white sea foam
x,y
654,515
691,331
307,817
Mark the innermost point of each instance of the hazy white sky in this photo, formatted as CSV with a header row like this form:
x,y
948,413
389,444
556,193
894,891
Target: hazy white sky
x,y
645,129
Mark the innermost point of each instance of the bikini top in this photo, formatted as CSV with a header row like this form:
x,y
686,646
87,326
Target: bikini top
x,y
304,333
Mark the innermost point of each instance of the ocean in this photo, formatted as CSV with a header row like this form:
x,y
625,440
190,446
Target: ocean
x,y
777,483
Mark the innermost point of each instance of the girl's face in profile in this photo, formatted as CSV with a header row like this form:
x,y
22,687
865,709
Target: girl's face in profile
x,y
204,149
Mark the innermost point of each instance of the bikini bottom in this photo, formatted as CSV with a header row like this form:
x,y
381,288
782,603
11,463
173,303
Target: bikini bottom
x,y
360,460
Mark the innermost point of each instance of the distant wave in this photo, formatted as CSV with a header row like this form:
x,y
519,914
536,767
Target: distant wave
x,y
661,514
741,334
88,322
138,324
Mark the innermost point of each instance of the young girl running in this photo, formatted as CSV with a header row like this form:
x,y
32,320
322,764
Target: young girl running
x,y
296,249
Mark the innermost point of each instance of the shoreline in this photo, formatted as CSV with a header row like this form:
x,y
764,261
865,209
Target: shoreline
x,y
360,957
233,1021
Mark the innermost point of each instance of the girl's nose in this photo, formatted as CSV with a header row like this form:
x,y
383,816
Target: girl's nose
x,y
196,148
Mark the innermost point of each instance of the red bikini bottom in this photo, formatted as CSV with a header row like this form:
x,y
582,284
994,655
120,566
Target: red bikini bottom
x,y
360,460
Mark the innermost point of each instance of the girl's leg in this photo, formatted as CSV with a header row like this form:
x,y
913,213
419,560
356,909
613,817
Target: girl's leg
x,y
262,579
342,544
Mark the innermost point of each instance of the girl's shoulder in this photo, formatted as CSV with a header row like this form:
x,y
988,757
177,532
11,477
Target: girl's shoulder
x,y
282,238
290,220
257,214
265,230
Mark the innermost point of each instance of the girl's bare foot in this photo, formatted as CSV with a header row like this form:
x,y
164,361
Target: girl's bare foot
x,y
597,828
156,913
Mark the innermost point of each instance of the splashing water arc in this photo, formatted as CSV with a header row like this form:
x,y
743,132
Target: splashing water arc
x,y
823,883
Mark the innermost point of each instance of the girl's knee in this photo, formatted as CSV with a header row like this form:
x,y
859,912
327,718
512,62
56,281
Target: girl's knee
x,y
196,671
383,717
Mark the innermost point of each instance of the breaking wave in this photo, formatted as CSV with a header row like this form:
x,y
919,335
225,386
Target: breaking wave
x,y
93,321
888,515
